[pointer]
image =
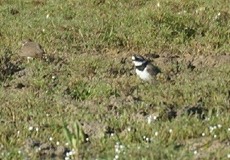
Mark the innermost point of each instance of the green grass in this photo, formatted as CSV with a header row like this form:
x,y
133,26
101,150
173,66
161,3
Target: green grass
x,y
91,82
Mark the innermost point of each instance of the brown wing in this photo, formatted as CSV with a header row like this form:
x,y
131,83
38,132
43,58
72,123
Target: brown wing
x,y
153,70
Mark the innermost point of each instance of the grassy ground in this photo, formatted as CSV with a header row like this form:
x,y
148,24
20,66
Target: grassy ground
x,y
86,102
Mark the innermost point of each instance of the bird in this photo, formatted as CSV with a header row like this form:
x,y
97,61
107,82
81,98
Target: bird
x,y
145,69
31,49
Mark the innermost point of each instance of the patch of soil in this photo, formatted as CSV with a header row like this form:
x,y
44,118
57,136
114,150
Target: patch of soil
x,y
44,150
7,67
94,129
206,61
169,62
205,146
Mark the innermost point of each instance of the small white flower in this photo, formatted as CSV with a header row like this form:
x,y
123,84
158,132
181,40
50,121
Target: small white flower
x,y
170,130
229,129
129,129
211,129
51,138
158,4
112,134
87,139
43,30
31,128
203,134
219,125
19,151
47,16
215,136
36,129
116,157
149,119
66,143
18,132
195,152
156,133
57,143
228,155
117,150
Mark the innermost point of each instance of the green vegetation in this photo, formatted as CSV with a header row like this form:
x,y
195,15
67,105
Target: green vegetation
x,y
88,82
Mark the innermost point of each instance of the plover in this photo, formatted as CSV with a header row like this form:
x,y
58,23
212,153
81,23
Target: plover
x,y
145,69
31,49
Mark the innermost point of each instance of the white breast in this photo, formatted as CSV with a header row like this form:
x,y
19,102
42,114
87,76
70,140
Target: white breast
x,y
144,75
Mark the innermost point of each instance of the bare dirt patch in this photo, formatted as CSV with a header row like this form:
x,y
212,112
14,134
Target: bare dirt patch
x,y
44,150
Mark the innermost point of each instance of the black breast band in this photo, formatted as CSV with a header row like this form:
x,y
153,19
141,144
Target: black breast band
x,y
142,67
